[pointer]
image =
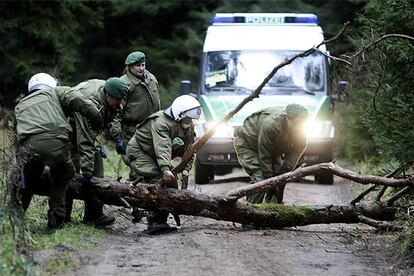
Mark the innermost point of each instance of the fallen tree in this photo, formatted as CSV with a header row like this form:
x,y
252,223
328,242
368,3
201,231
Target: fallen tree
x,y
228,208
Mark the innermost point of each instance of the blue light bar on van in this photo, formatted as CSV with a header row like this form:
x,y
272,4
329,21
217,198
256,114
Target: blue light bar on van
x,y
264,18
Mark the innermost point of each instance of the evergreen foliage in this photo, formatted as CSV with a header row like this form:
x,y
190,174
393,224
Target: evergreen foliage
x,y
76,40
380,116
40,36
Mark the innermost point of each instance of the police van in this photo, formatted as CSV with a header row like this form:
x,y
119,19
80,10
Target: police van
x,y
240,50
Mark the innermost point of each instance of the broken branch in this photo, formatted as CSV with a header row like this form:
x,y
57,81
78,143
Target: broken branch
x,y
311,170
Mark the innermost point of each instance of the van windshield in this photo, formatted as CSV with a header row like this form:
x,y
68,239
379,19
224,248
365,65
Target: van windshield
x,y
244,71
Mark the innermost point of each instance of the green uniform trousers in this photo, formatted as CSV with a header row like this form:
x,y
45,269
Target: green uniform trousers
x,y
249,160
55,153
147,168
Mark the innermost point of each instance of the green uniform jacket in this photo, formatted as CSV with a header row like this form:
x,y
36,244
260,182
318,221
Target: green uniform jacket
x,y
44,112
84,141
162,139
142,100
263,133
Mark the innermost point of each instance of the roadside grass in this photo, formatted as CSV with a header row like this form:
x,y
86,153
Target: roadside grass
x,y
27,246
114,166
23,238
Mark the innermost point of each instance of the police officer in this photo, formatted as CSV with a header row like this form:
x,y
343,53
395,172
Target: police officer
x,y
43,130
162,137
143,99
107,96
271,142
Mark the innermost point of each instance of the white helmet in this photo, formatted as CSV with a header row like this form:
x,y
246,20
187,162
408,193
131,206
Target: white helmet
x,y
41,81
185,106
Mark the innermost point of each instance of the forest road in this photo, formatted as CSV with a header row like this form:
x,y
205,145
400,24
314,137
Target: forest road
x,y
204,246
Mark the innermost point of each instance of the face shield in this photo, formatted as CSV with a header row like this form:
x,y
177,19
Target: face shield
x,y
194,113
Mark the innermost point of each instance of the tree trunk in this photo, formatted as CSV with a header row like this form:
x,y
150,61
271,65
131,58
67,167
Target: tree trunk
x,y
220,207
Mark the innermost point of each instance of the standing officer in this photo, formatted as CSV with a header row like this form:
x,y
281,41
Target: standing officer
x,y
107,96
43,130
271,138
162,137
143,99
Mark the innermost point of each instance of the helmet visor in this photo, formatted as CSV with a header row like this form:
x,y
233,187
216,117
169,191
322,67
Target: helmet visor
x,y
194,113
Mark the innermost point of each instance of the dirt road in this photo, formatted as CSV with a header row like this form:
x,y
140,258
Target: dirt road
x,y
208,247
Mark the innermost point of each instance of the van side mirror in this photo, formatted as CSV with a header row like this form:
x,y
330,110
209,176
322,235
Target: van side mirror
x,y
185,87
340,91
341,88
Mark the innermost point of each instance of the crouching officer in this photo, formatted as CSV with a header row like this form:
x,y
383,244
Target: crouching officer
x,y
162,137
269,143
43,130
87,158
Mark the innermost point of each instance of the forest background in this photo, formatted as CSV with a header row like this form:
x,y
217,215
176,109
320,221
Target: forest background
x,y
80,40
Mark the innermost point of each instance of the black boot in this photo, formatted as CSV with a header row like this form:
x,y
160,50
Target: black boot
x,y
104,220
155,228
94,214
54,221
138,214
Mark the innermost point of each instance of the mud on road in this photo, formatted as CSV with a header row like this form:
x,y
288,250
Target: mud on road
x,y
204,246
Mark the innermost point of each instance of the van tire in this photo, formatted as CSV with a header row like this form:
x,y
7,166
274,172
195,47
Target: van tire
x,y
203,173
325,178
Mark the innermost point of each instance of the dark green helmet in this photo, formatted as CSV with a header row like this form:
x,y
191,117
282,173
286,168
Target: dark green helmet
x,y
116,88
135,57
295,111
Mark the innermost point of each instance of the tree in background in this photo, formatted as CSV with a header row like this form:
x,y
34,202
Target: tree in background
x,y
381,114
81,40
41,36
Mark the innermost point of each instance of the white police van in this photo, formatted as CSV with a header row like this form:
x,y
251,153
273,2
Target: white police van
x,y
240,50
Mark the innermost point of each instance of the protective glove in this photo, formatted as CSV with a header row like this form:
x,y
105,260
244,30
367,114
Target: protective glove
x,y
184,179
96,123
167,176
120,144
103,153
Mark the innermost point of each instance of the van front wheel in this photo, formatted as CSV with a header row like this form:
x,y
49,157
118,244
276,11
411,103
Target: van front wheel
x,y
325,178
203,173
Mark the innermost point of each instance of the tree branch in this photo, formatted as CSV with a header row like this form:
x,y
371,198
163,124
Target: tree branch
x,y
363,194
382,225
311,170
384,37
397,195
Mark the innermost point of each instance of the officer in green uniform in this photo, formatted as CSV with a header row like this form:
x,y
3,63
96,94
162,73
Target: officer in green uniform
x,y
43,133
271,142
162,137
87,158
142,100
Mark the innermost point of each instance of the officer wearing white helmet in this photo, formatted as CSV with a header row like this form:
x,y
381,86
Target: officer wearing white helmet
x,y
41,81
43,130
164,135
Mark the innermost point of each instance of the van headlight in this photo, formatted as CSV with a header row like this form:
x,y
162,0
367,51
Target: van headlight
x,y
319,129
222,130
